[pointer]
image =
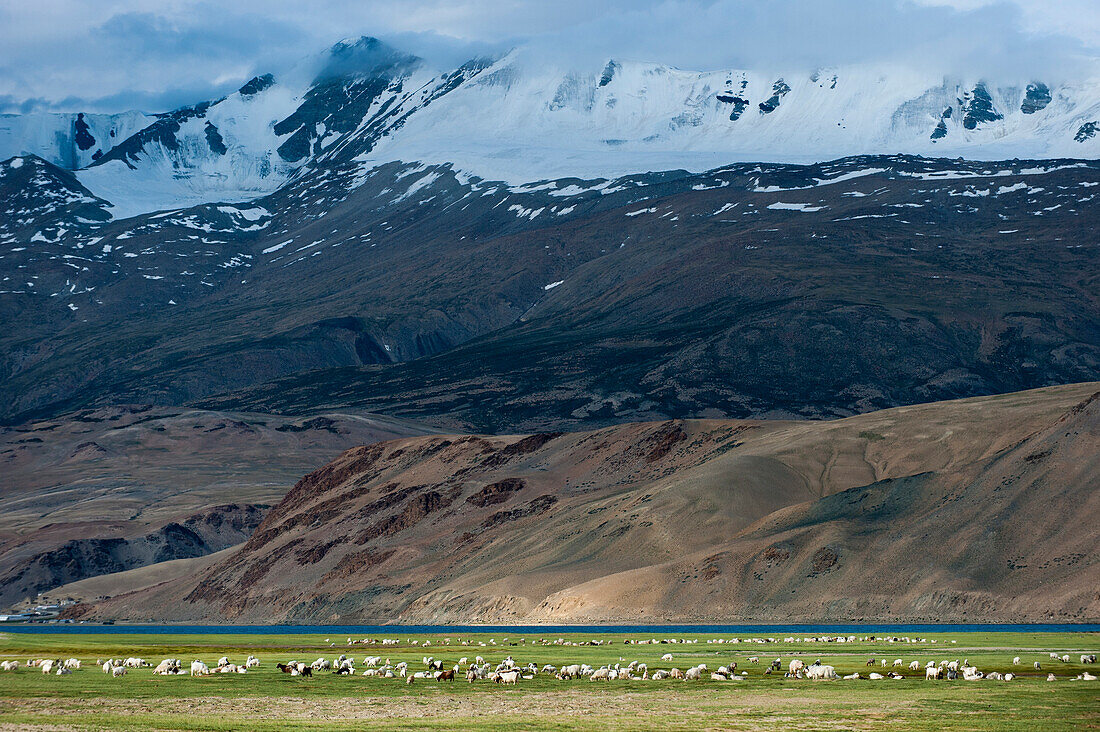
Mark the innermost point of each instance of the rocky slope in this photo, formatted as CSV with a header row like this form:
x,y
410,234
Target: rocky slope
x,y
216,528
1009,537
978,509
101,491
753,290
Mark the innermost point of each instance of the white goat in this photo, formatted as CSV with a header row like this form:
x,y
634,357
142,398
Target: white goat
x,y
819,671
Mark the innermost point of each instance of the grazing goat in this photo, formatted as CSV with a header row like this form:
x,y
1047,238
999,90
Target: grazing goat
x,y
570,672
508,677
819,671
695,673
167,667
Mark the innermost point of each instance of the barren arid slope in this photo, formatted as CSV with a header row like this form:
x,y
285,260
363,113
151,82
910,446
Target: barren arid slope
x,y
104,490
979,509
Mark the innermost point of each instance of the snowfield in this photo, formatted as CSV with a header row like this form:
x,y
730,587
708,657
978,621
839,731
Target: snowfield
x,y
514,121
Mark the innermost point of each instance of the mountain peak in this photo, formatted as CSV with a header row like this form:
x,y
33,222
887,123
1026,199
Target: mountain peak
x,y
256,84
364,56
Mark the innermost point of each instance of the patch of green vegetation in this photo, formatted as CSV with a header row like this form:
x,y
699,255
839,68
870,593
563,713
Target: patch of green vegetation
x,y
871,436
265,699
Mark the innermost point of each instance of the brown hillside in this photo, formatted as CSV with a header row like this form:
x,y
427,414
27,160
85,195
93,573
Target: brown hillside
x,y
106,490
978,509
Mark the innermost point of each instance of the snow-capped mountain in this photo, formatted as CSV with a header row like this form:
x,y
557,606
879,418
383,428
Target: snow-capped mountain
x,y
368,230
514,120
250,143
520,124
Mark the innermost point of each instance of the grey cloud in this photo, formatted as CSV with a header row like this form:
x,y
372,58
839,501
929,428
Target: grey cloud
x,y
143,54
989,40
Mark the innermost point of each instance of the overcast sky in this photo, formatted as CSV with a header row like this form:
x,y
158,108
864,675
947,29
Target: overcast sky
x,y
111,55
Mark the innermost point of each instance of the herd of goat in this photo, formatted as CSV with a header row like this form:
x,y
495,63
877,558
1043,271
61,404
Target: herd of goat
x,y
511,672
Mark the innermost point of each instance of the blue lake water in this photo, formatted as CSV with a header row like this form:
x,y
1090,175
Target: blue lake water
x,y
544,630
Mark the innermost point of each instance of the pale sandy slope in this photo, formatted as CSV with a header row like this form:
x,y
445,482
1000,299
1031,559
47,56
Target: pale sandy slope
x,y
118,583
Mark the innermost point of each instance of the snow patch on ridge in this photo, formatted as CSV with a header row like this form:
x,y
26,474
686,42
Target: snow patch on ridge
x,y
276,247
804,207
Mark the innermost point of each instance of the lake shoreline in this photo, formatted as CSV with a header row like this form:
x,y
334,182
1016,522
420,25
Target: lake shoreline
x,y
800,629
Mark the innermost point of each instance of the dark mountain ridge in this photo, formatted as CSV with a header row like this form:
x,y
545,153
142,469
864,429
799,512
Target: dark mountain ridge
x,y
752,290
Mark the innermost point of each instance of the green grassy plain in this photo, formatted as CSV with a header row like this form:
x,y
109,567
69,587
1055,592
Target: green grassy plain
x,y
265,699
